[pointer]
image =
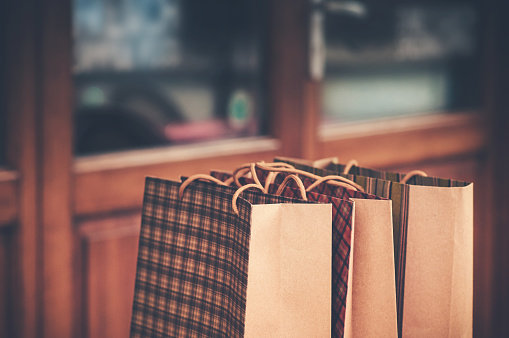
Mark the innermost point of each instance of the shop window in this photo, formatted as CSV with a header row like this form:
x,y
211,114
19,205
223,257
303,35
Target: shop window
x,y
166,72
398,58
3,141
3,103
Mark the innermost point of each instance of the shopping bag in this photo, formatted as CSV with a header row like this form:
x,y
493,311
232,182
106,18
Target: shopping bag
x,y
194,260
370,309
433,232
289,274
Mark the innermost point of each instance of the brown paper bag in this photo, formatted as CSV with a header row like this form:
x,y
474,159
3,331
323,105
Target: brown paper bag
x,y
371,295
433,223
439,262
371,299
289,271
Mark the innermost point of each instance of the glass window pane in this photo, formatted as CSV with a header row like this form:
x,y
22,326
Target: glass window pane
x,y
3,84
393,58
156,72
3,130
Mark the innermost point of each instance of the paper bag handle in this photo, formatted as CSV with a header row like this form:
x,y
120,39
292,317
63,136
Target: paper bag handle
x,y
349,166
411,174
338,181
197,177
299,184
239,171
310,175
239,191
244,169
250,167
405,179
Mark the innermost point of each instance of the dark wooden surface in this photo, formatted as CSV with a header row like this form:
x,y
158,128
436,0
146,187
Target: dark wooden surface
x,y
497,97
22,157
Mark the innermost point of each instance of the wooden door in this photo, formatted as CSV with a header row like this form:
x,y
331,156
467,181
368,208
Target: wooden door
x,y
69,225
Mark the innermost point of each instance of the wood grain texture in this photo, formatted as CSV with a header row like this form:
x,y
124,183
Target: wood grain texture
x,y
8,198
58,241
6,322
288,74
406,141
105,185
309,131
21,106
110,248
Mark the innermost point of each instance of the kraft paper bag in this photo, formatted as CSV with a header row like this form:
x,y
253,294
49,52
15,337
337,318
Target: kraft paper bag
x,y
289,271
371,296
433,229
439,256
371,300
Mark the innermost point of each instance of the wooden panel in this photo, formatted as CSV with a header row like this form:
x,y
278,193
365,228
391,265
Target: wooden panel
x,y
409,140
289,97
461,168
58,242
309,134
497,80
8,197
115,181
110,248
22,152
5,289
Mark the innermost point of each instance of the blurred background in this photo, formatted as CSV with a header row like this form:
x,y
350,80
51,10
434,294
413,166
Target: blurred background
x,y
97,94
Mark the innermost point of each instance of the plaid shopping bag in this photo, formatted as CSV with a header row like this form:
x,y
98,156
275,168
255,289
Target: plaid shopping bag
x,y
192,268
433,236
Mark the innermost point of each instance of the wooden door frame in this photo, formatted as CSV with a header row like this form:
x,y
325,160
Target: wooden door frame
x,y
60,300
497,75
39,116
46,188
22,160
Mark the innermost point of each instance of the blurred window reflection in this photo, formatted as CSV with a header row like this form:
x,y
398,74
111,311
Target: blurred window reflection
x,y
156,72
3,86
2,132
392,58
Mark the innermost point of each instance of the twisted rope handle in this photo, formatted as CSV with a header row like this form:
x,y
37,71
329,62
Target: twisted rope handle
x,y
249,167
310,175
349,166
239,171
197,177
411,174
299,183
239,191
335,178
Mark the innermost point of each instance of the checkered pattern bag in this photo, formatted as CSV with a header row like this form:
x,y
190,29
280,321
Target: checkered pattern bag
x,y
191,277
